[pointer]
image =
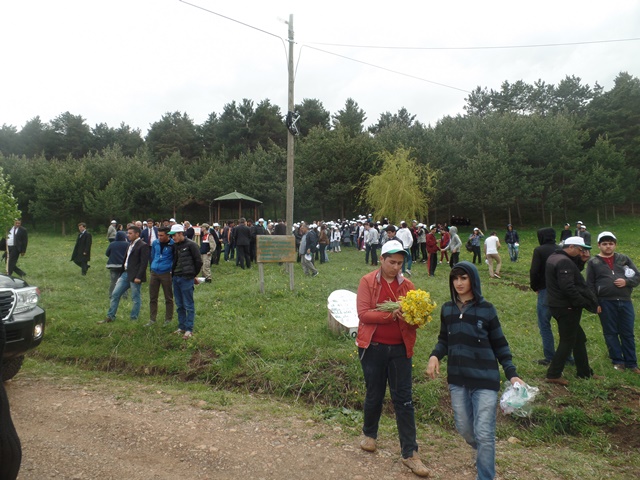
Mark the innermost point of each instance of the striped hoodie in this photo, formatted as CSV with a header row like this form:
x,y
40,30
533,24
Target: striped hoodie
x,y
472,339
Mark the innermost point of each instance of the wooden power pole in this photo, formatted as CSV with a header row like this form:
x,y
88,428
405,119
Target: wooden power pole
x,y
290,137
290,145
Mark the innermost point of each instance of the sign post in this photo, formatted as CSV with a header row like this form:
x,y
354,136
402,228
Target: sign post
x,y
275,249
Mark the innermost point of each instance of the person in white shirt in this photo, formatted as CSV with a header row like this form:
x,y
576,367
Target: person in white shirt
x,y
404,235
491,246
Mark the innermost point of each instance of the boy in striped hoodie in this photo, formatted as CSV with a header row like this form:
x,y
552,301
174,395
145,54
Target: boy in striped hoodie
x,y
472,338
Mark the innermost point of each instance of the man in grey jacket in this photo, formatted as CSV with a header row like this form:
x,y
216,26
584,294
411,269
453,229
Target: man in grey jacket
x,y
612,277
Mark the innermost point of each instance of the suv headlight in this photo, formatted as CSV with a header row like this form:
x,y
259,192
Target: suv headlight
x,y
27,299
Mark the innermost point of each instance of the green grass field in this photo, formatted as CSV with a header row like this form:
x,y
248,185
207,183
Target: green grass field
x,y
278,344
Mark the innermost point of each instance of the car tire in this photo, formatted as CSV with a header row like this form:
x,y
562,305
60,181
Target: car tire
x,y
11,367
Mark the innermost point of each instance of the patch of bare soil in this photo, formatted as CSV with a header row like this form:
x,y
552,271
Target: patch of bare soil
x,y
100,431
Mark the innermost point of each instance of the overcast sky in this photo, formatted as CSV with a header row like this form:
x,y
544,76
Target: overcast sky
x,y
132,61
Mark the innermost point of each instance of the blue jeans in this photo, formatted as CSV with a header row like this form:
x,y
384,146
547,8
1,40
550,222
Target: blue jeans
x,y
408,261
474,411
513,252
544,325
122,285
617,319
382,364
185,307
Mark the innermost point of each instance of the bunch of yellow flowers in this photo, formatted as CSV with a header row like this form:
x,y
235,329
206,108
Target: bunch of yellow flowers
x,y
417,307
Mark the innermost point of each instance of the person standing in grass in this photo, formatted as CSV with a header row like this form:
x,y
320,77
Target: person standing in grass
x,y
512,239
134,273
161,258
82,250
612,277
538,283
385,347
455,244
472,339
567,295
306,251
475,238
491,246
187,262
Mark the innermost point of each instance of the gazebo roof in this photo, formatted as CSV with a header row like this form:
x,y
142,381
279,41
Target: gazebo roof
x,y
235,196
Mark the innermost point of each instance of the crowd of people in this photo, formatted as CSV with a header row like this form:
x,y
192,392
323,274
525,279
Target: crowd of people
x,y
180,255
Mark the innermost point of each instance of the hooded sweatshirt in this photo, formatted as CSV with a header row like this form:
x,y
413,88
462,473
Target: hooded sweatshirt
x,y
547,241
472,338
117,250
454,243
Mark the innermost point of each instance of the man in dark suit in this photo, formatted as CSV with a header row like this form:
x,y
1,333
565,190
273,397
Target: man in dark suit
x,y
135,273
82,251
17,239
242,239
150,233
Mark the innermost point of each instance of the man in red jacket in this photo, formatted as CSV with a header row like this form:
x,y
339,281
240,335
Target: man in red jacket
x,y
385,346
432,250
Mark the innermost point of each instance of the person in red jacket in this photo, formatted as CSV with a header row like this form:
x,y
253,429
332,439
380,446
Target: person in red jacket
x,y
445,238
385,346
432,250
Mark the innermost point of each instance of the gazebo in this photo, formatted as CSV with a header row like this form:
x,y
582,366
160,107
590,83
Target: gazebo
x,y
233,206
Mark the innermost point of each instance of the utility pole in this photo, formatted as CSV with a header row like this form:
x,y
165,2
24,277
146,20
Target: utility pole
x,y
290,145
290,136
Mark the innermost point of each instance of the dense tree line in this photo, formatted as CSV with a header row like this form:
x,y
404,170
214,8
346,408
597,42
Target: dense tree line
x,y
522,152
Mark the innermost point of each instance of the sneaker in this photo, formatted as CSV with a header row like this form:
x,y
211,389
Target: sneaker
x,y
619,367
315,274
409,272
368,444
496,275
178,332
415,465
544,362
150,323
167,322
106,320
187,335
635,370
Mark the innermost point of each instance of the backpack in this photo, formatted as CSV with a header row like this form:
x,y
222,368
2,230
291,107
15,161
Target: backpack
x,y
469,246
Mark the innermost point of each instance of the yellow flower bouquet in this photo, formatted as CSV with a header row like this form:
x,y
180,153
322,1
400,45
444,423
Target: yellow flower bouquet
x,y
417,307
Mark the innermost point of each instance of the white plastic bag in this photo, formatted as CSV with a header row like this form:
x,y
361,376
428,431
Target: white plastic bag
x,y
518,399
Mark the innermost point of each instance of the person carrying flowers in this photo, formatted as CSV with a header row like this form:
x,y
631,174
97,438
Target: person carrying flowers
x,y
385,346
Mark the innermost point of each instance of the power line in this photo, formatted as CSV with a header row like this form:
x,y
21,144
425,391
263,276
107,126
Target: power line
x,y
493,47
232,19
238,21
388,69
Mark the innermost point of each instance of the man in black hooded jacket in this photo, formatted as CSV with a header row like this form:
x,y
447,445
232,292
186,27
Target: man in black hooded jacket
x,y
537,282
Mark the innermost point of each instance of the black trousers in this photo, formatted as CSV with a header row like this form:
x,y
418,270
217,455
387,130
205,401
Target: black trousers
x,y
14,254
572,338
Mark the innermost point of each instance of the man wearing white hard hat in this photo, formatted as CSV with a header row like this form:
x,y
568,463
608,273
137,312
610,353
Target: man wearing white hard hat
x,y
612,277
567,295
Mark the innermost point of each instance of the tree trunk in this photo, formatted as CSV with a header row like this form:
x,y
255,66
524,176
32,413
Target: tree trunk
x,y
551,218
598,215
64,231
544,215
519,213
509,214
613,211
484,220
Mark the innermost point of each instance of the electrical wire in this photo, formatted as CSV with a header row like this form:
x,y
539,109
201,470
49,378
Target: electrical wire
x,y
388,69
495,47
238,21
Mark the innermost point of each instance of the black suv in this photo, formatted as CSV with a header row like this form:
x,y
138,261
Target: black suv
x,y
23,322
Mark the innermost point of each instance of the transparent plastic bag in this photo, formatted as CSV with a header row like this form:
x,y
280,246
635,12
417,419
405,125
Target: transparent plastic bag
x,y
518,399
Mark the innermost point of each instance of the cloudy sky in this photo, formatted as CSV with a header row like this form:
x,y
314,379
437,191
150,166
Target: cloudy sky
x,y
132,61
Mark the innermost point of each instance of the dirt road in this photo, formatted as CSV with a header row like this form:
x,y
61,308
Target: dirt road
x,y
77,430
